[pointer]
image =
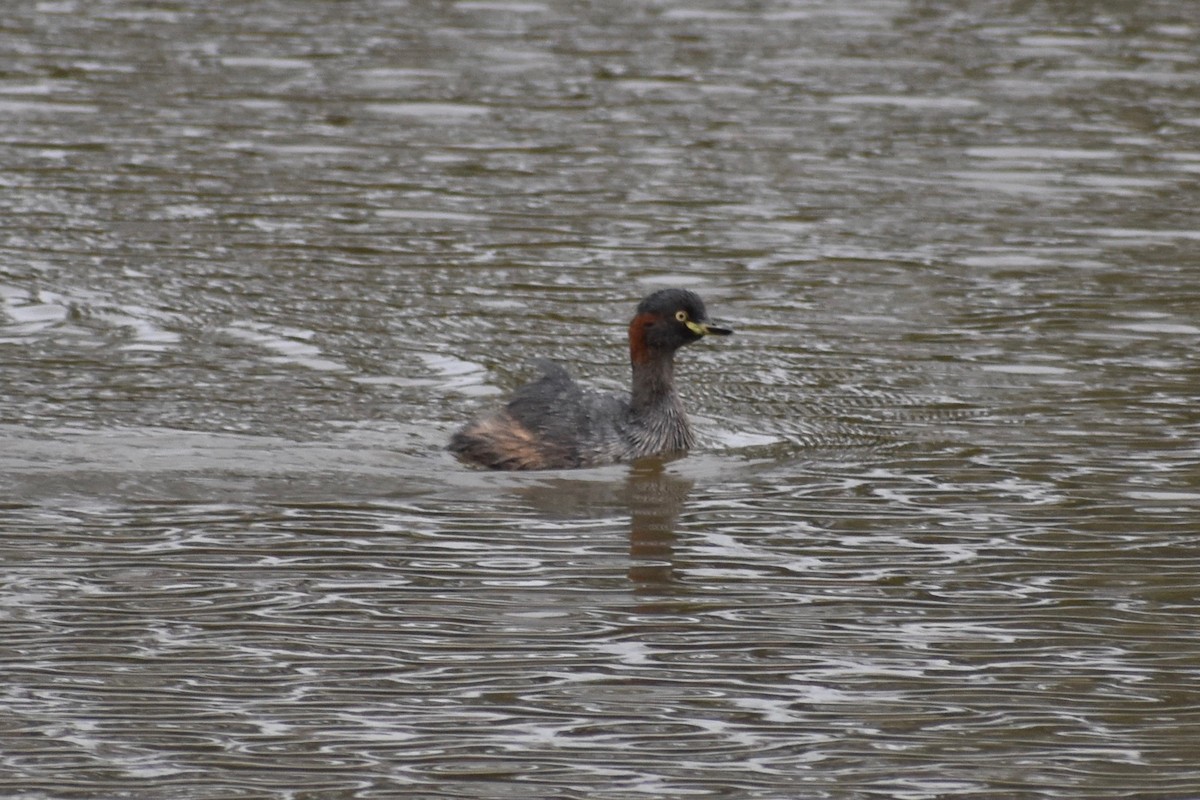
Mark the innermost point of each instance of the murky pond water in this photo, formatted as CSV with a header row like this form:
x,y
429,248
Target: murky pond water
x,y
942,537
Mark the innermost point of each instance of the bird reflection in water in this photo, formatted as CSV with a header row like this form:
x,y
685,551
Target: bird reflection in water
x,y
652,496
655,498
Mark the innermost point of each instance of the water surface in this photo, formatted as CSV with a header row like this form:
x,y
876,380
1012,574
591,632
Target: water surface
x,y
942,535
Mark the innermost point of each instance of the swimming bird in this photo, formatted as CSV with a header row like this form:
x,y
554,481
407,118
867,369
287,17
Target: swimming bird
x,y
554,423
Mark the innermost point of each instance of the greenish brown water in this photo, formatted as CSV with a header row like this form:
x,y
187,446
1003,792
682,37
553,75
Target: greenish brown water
x,y
942,538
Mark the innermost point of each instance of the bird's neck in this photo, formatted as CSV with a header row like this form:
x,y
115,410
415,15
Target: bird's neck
x,y
658,415
654,384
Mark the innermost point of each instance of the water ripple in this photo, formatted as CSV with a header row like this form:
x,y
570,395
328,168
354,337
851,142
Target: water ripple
x,y
939,539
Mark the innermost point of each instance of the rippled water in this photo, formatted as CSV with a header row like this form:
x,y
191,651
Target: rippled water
x,y
942,538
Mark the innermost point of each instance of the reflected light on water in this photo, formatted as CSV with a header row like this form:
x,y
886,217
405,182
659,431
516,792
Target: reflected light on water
x,y
940,536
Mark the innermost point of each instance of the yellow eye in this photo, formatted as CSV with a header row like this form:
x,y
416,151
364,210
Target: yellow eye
x,y
681,315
